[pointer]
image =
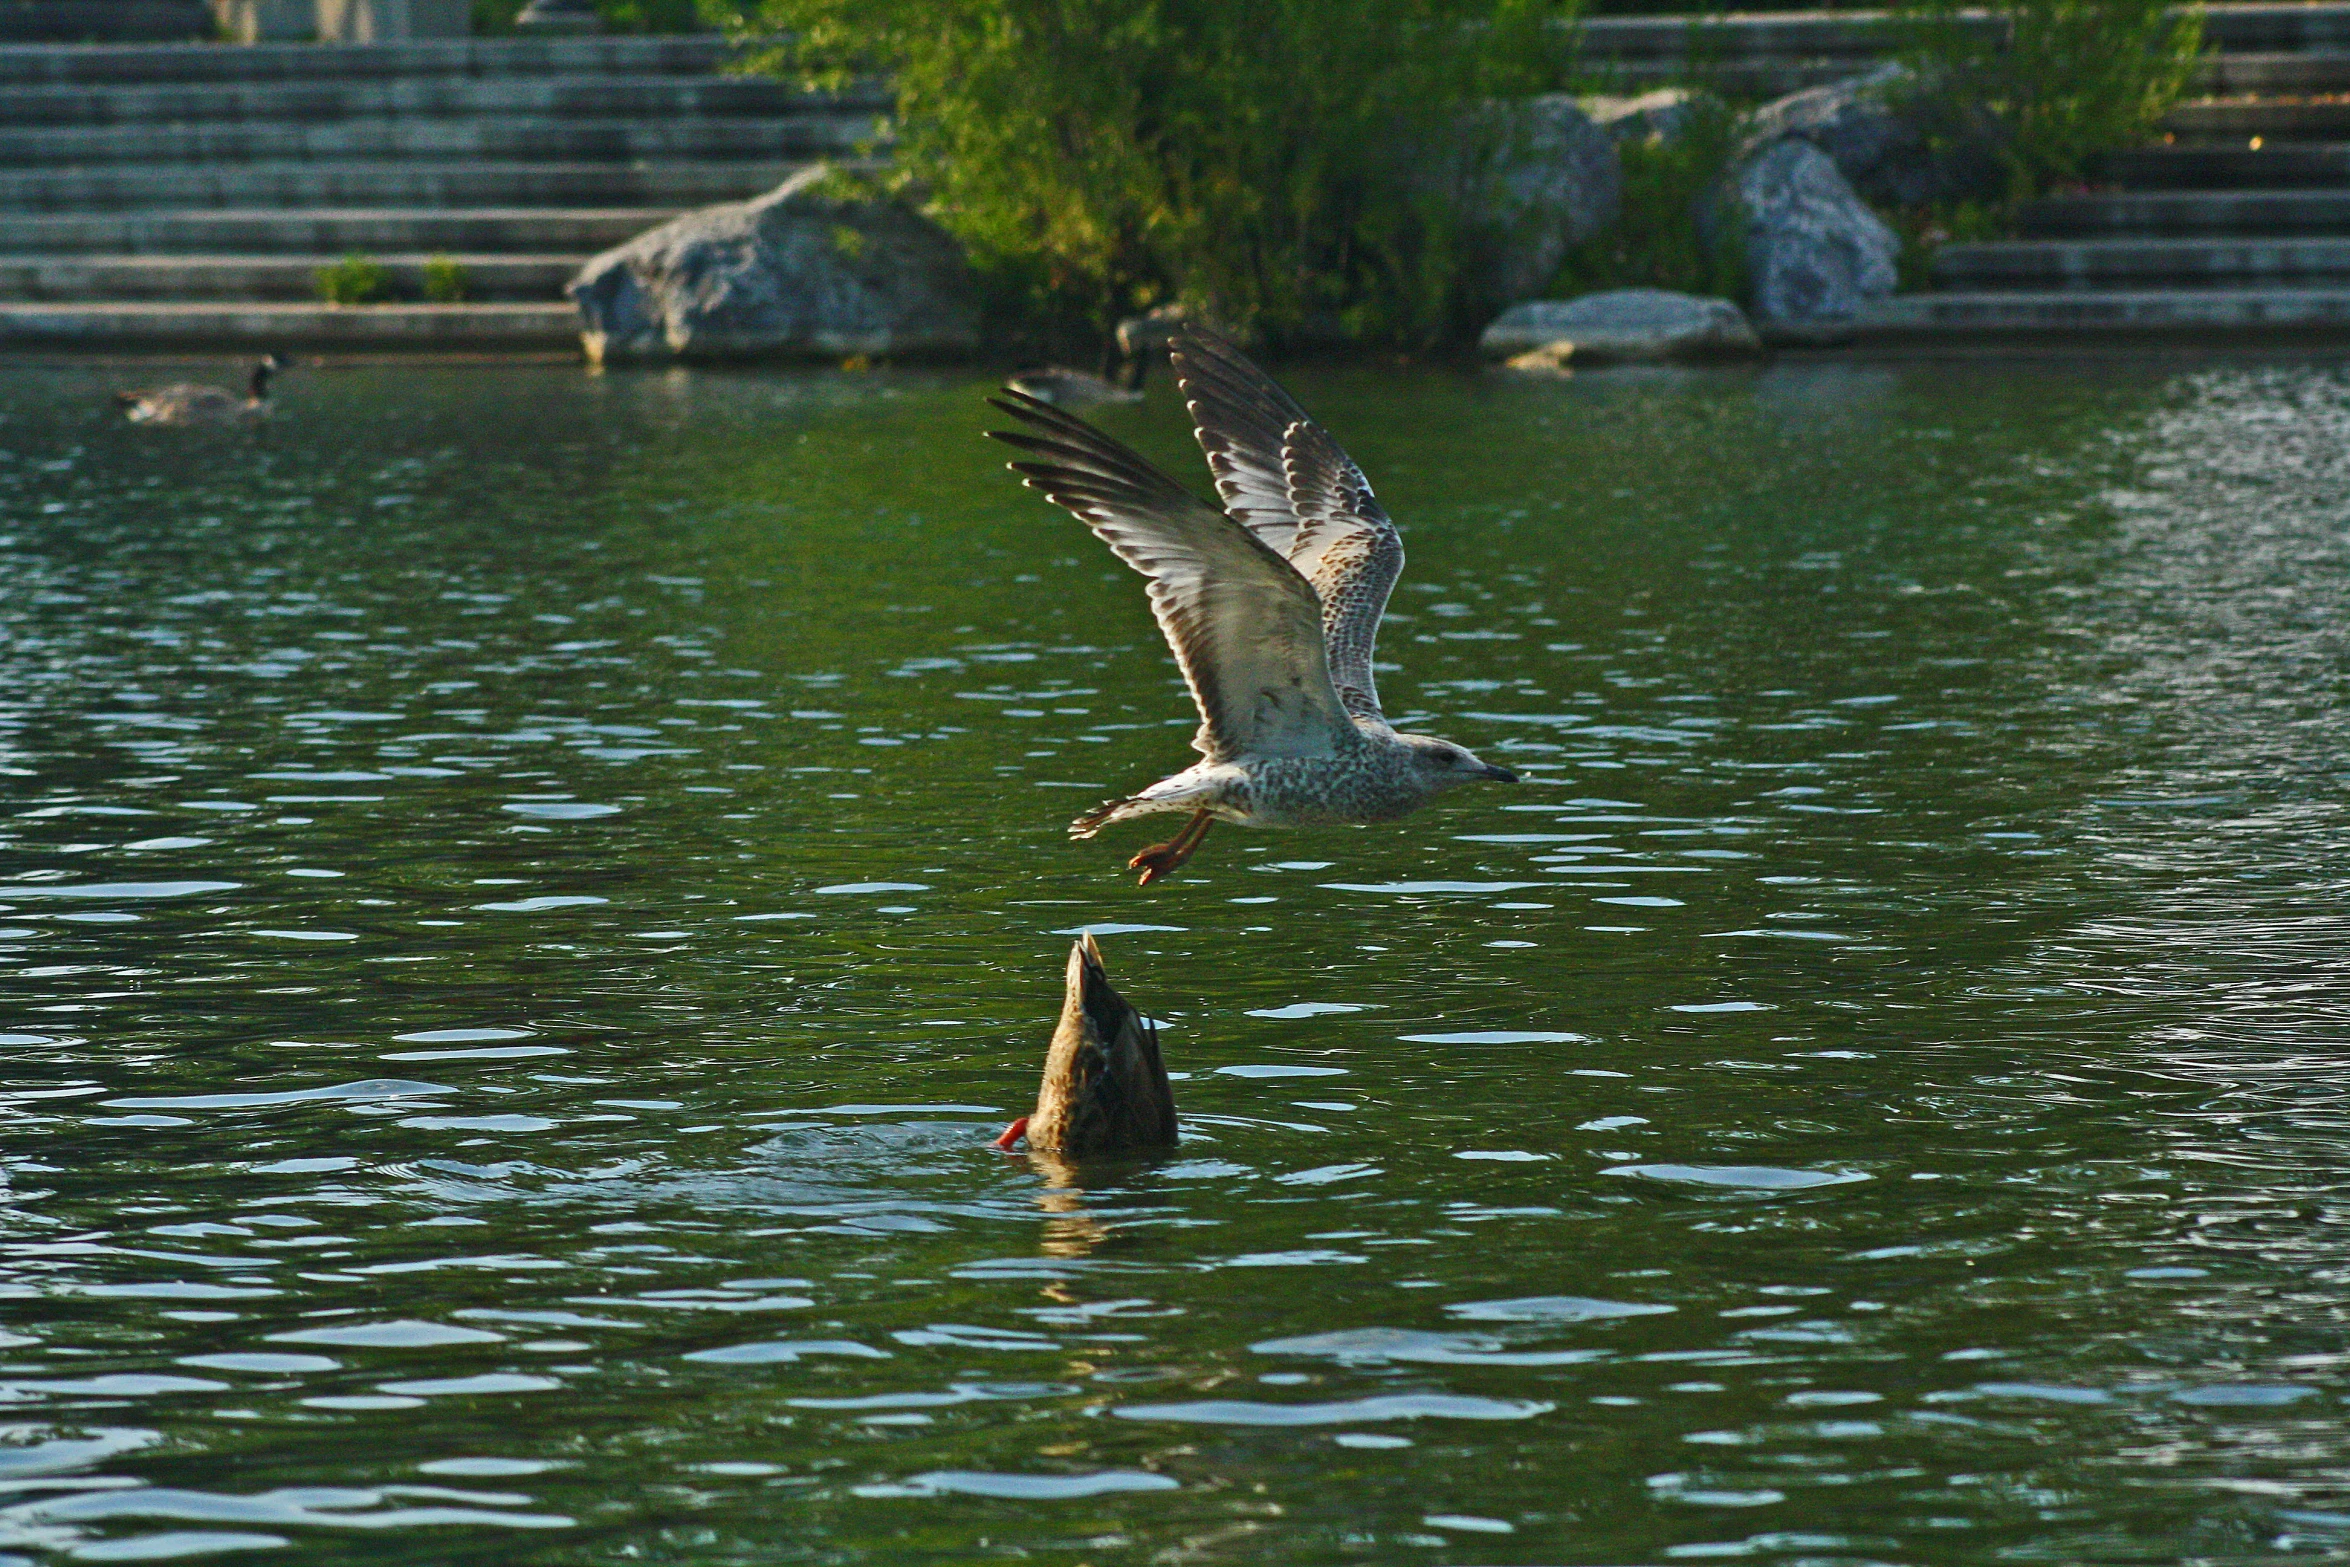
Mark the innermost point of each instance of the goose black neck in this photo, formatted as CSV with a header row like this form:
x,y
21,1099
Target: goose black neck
x,y
260,381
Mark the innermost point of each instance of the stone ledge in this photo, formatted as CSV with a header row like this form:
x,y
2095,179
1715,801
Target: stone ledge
x,y
2167,314
259,327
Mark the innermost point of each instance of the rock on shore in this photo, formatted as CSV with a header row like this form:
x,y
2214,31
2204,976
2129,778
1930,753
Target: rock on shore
x,y
803,271
1543,179
1815,253
1626,323
1894,140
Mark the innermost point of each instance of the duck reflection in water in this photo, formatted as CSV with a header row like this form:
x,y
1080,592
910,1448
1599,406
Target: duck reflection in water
x,y
1070,1228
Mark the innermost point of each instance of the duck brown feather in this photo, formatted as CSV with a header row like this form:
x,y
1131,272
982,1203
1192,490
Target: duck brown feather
x,y
1105,1087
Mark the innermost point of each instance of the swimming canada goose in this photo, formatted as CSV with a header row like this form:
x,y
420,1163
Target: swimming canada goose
x,y
186,403
1105,1089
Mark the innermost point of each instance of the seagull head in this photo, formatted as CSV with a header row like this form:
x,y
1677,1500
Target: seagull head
x,y
1441,764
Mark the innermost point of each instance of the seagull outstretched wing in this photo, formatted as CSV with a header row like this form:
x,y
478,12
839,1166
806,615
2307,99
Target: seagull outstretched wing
x,y
1244,625
1281,474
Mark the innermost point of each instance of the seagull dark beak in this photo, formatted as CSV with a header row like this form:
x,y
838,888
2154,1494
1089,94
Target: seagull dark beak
x,y
1500,774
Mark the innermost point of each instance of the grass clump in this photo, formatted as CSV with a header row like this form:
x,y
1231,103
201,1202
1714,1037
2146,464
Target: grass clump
x,y
1266,163
354,280
495,18
2061,80
444,280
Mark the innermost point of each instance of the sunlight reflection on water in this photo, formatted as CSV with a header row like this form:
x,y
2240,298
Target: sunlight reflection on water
x,y
676,779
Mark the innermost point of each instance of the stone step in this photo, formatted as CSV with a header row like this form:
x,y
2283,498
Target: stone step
x,y
1772,76
2136,263
1821,38
502,58
2299,72
323,231
462,328
1738,37
2232,166
2295,314
2270,119
1755,80
444,183
503,138
178,105
1705,38
290,279
2182,214
2289,25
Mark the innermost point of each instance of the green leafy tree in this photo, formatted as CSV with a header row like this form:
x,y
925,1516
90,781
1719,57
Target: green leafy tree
x,y
2063,80
1266,161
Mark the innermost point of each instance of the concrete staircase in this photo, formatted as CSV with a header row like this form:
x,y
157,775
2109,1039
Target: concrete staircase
x,y
2236,228
163,197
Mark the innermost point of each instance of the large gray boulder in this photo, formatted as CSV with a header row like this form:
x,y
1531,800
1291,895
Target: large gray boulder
x,y
1815,254
1539,178
1625,323
1895,140
807,270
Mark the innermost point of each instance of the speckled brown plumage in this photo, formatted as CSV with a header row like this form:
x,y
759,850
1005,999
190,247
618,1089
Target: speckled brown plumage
x,y
1271,606
1283,476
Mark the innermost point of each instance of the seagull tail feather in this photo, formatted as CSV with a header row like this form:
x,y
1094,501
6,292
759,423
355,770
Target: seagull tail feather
x,y
1102,815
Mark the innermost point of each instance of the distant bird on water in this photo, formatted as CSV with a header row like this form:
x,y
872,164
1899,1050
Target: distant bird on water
x,y
1271,606
187,403
1066,388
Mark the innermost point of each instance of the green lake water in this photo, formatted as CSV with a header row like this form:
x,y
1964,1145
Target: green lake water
x,y
524,898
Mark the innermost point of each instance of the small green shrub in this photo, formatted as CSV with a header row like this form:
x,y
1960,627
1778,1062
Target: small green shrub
x,y
2063,80
1266,162
444,280
1657,243
354,280
495,18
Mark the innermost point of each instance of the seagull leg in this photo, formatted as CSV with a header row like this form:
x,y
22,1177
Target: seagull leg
x,y
1162,860
1012,1134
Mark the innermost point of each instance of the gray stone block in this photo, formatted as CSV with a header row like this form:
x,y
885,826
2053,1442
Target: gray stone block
x,y
802,271
1628,323
1815,254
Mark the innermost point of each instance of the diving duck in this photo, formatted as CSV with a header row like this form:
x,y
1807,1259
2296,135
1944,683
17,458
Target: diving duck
x,y
1105,1089
186,403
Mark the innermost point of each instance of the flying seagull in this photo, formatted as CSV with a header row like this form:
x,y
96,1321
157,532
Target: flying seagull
x,y
1271,606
